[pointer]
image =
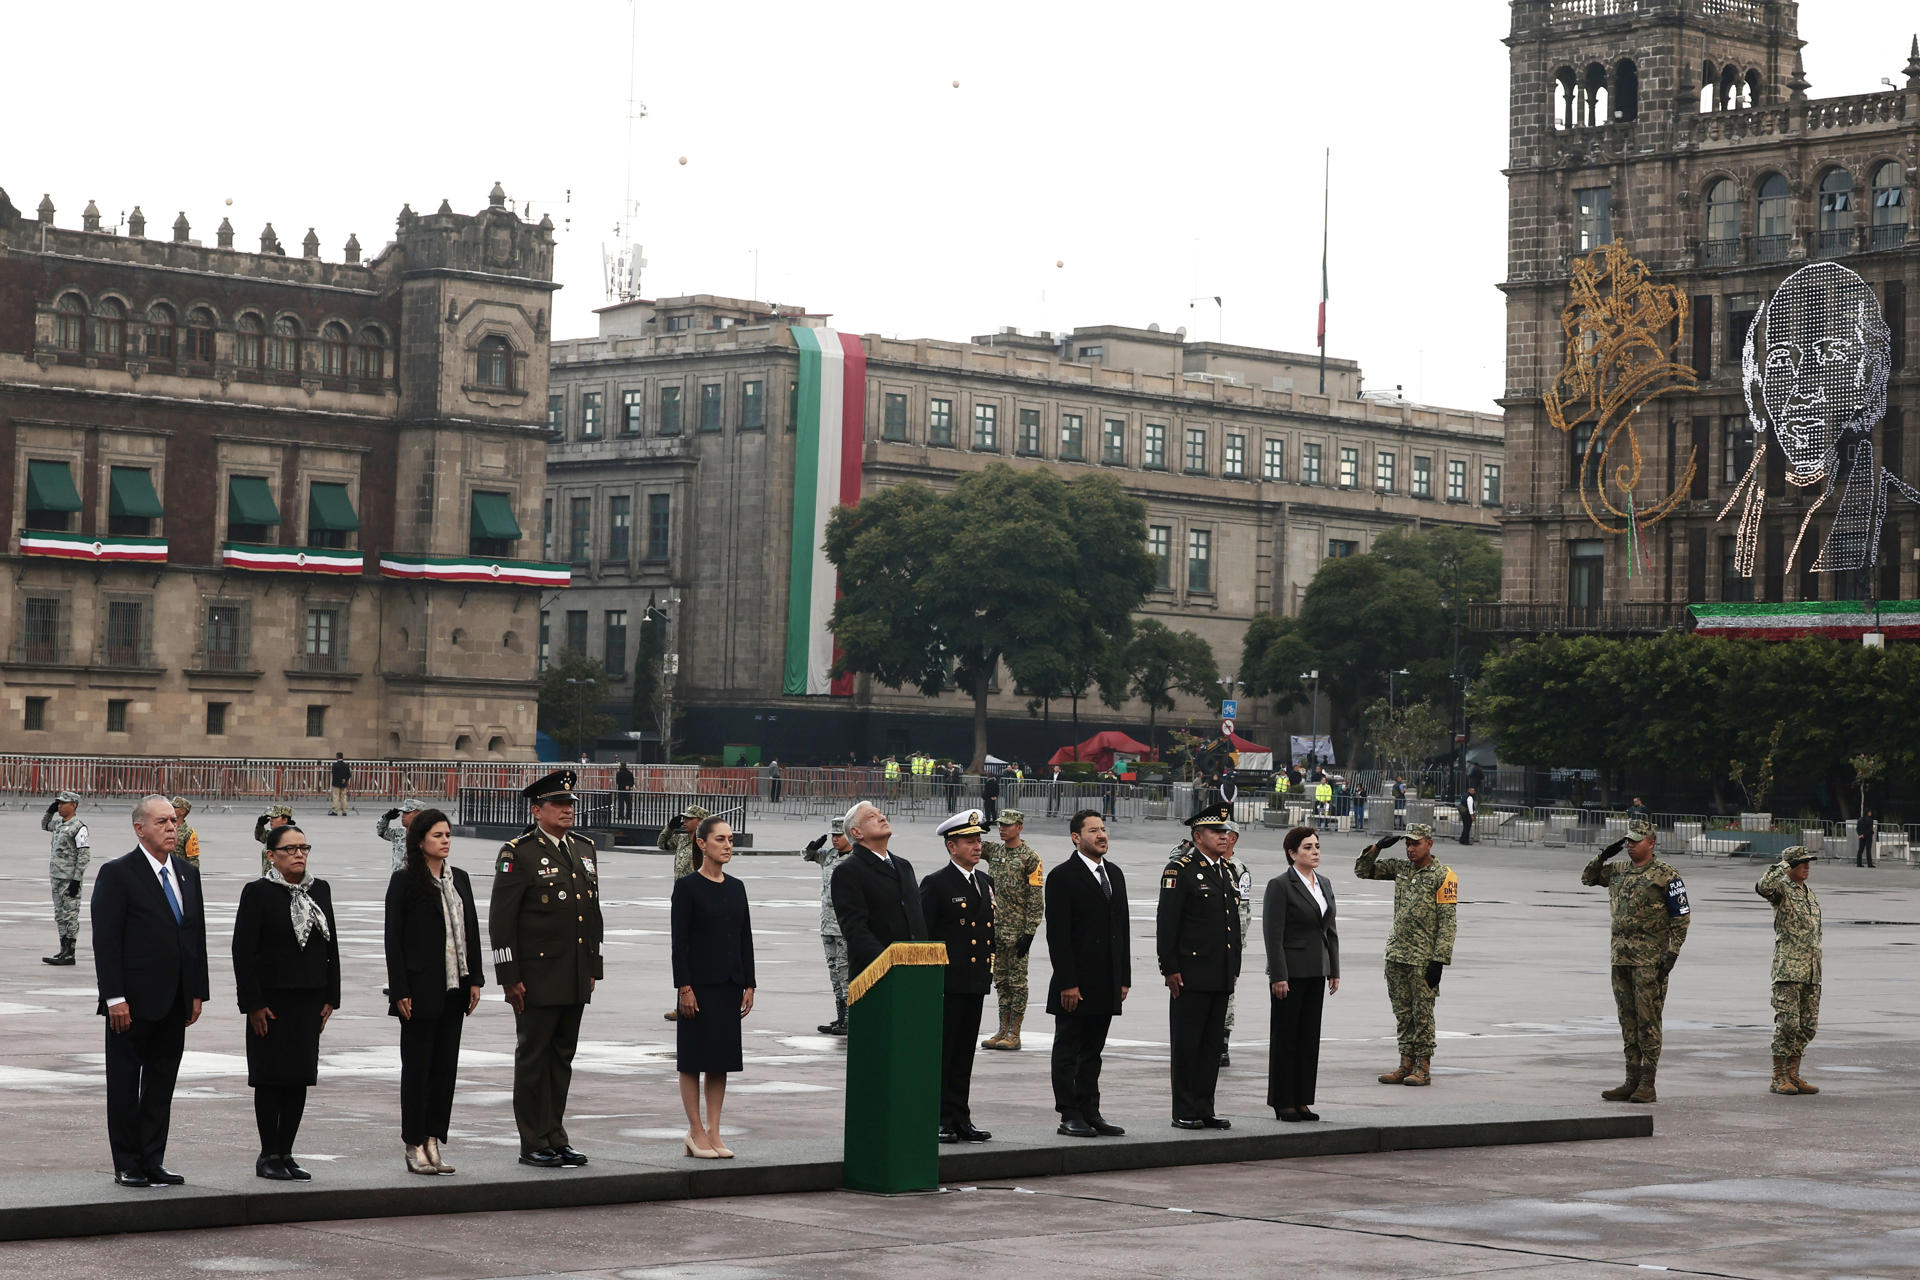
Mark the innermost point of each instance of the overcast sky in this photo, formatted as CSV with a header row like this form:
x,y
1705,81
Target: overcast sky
x,y
1098,163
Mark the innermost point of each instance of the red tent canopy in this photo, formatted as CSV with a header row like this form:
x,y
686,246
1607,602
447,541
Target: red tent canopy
x,y
1100,749
1246,744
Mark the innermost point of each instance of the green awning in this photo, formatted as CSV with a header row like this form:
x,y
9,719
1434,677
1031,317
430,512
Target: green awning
x,y
50,487
493,517
131,493
330,510
250,501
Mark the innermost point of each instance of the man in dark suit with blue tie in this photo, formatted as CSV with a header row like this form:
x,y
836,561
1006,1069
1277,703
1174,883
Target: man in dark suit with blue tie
x,y
957,901
1086,914
150,960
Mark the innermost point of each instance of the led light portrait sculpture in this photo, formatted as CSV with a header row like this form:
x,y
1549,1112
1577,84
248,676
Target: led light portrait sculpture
x,y
1815,370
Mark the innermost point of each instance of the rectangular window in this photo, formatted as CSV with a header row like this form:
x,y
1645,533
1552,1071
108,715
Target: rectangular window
x,y
492,529
546,638
986,427
1199,560
1195,458
1490,484
793,406
1029,445
579,529
324,643
1073,437
1341,548
43,629
1736,447
1741,308
590,415
1735,587
1383,467
753,406
1153,454
51,496
1090,353
710,406
659,525
331,519
1113,441
556,412
1422,477
1309,464
546,529
217,718
1586,565
1595,217
1160,548
1456,480
1233,462
316,721
126,633
616,659
1349,467
133,504
576,639
940,421
670,411
632,407
226,641
36,715
1273,459
619,527
679,324
116,715
893,416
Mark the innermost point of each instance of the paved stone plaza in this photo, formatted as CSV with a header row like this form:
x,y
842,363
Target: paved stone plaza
x,y
1734,1182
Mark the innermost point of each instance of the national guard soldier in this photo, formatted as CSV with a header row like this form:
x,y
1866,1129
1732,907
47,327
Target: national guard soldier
x,y
957,904
188,846
1018,902
544,920
392,827
677,838
68,867
1648,902
830,851
1426,894
1197,935
278,816
1796,965
1242,885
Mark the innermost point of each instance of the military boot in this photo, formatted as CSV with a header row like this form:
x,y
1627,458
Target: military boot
x,y
998,1040
1644,1091
1422,1072
65,956
1012,1040
1793,1073
1780,1082
1625,1091
1400,1072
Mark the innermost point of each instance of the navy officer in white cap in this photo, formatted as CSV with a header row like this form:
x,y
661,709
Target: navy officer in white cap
x,y
957,901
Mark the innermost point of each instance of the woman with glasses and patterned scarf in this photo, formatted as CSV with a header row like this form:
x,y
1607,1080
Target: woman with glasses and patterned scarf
x,y
286,968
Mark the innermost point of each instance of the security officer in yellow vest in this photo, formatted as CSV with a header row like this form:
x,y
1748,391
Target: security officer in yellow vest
x,y
544,921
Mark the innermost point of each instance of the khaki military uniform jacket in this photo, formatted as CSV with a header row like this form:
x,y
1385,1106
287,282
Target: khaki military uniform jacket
x,y
1018,901
1796,926
1649,908
1425,903
544,917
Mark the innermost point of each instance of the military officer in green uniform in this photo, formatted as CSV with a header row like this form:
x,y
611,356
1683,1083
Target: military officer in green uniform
x,y
677,838
1242,885
1197,935
1796,965
1017,907
1650,912
1426,896
544,920
830,850
72,848
278,816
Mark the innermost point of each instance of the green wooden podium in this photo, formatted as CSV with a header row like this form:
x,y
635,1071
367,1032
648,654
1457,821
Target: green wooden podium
x,y
893,1070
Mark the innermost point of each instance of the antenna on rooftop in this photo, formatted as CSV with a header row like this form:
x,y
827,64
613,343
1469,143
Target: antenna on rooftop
x,y
623,261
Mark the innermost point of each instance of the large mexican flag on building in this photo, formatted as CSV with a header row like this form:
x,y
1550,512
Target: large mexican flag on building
x,y
1844,619
830,431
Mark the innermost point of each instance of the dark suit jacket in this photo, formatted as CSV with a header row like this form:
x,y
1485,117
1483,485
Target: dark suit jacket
x,y
1197,924
712,933
1301,943
878,904
139,950
960,915
416,936
1087,938
267,957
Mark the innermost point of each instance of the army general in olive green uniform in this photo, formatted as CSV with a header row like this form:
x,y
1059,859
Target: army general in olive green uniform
x,y
1426,895
1017,907
1197,936
1650,913
1796,965
544,920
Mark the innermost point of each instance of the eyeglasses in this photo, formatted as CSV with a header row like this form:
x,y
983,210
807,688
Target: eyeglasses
x,y
293,848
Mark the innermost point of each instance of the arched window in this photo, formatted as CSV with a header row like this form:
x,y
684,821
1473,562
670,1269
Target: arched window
x,y
1709,87
198,347
69,322
283,346
1750,93
160,326
1593,95
1564,108
1836,213
333,350
252,341
496,362
1626,90
367,361
1889,206
109,328
1729,94
1723,223
1773,227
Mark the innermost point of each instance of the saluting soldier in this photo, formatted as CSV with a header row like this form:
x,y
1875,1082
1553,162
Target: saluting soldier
x,y
1426,894
1796,965
1242,885
1197,931
677,838
278,816
1648,904
957,902
392,826
72,848
830,850
1018,903
544,920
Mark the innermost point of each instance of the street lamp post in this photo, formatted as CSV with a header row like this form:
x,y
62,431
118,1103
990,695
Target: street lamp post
x,y
1313,742
579,714
1390,675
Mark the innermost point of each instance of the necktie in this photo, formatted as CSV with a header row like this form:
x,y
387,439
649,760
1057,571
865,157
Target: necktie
x,y
1106,886
980,886
166,887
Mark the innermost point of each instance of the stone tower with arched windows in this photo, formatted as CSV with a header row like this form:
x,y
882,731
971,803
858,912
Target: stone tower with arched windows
x,y
1685,129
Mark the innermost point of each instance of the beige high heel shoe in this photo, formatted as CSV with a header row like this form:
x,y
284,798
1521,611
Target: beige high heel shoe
x,y
697,1151
417,1161
432,1146
722,1150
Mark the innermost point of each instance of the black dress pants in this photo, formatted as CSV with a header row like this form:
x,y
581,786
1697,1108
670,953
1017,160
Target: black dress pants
x,y
1199,1023
142,1064
1293,1059
1078,1041
429,1060
544,1039
959,1029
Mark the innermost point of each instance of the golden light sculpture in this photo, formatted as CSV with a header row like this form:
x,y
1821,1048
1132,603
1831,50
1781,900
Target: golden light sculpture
x,y
1617,363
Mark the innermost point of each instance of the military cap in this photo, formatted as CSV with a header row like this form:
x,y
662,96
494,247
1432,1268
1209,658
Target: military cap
x,y
1233,828
67,797
557,786
1639,829
280,811
838,827
182,805
1214,815
970,823
1418,831
412,806
1797,854
1011,817
695,811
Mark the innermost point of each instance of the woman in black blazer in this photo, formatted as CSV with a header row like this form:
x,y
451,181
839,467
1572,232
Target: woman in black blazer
x,y
1303,964
713,969
433,982
286,970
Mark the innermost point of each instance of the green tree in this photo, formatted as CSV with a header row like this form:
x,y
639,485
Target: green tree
x,y
1405,735
571,712
1272,655
1161,662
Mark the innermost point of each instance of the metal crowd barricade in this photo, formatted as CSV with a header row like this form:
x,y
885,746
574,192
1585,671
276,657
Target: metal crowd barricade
x,y
598,809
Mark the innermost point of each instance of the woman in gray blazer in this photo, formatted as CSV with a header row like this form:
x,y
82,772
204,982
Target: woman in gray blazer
x,y
1303,964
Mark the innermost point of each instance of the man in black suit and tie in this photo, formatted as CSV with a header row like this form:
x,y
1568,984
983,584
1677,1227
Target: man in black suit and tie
x,y
1198,938
958,903
1086,914
875,896
150,959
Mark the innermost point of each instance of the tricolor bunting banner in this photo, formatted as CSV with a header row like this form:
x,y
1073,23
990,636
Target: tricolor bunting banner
x,y
829,435
81,546
524,573
1842,619
256,558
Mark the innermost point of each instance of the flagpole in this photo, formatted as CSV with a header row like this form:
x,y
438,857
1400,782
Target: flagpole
x,y
1326,208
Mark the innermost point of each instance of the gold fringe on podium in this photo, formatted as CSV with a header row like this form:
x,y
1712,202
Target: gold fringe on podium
x,y
898,953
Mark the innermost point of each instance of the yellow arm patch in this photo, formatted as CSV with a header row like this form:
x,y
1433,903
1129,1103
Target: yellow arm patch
x,y
1033,878
1449,890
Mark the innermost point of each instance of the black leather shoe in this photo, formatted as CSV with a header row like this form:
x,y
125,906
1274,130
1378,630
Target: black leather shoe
x,y
294,1171
970,1134
1217,1122
1225,1061
160,1177
1106,1130
571,1158
832,1029
127,1179
1307,1114
1075,1127
948,1136
544,1158
1189,1124
1289,1114
270,1167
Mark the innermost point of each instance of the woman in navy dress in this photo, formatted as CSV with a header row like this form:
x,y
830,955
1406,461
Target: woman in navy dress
x,y
713,970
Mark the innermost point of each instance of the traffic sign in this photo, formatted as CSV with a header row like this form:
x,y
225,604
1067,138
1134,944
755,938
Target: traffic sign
x,y
1226,728
1230,709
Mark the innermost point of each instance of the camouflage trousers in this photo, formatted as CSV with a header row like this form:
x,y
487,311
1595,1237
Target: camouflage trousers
x,y
1796,1016
66,908
836,949
1640,997
1010,976
1412,1001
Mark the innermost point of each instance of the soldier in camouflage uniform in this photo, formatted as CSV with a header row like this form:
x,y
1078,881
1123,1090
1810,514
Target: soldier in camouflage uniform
x,y
68,867
1796,965
392,827
1243,883
1650,913
1017,907
188,845
677,838
1426,894
830,851
278,816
